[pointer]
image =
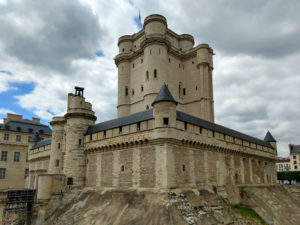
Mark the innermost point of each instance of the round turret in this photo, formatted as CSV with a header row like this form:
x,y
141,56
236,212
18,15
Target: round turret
x,y
186,42
155,24
125,44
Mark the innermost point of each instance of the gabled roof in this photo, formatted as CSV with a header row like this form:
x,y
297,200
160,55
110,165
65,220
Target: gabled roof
x,y
269,137
122,121
218,128
42,143
164,95
184,117
294,149
25,126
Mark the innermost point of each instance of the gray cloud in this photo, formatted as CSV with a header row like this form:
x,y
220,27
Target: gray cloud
x,y
49,34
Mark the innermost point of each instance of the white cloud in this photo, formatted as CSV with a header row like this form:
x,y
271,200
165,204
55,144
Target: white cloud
x,y
256,74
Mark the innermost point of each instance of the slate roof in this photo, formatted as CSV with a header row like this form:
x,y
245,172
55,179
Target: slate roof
x,y
294,149
269,137
122,121
42,143
25,126
184,117
164,95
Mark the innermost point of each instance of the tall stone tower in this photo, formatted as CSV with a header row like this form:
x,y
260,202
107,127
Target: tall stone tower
x,y
67,146
157,55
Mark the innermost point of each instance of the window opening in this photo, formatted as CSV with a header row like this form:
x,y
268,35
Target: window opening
x,y
155,73
183,91
18,138
183,167
138,126
120,130
132,65
142,60
57,163
147,75
132,92
166,121
6,137
3,156
147,107
17,157
185,125
123,49
122,168
126,91
2,173
79,141
104,134
70,181
58,146
169,60
142,88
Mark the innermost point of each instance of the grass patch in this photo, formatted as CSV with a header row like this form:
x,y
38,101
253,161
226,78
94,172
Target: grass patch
x,y
246,212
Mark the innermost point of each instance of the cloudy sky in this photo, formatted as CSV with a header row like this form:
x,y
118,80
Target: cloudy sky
x,y
48,47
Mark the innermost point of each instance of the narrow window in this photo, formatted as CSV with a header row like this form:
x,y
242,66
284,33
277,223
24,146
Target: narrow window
x,y
213,134
138,126
196,88
122,168
185,125
132,65
58,146
142,60
26,172
3,156
70,181
192,62
183,167
126,91
155,73
169,60
104,134
147,75
120,130
2,173
180,49
142,88
79,141
132,92
183,91
266,163
18,138
166,121
123,49
57,163
17,157
135,46
200,130
147,107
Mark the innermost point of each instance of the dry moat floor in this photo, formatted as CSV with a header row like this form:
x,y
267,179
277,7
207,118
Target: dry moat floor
x,y
240,206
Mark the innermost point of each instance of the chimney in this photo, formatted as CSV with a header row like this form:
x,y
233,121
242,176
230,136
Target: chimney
x,y
11,116
37,120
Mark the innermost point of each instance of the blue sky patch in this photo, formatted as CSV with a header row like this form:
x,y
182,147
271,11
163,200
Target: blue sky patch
x,y
6,72
8,100
99,53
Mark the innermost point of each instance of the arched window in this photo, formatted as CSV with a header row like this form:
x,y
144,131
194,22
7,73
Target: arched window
x,y
147,75
126,91
155,73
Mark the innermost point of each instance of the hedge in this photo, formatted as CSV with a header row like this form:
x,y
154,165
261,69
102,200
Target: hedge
x,y
289,175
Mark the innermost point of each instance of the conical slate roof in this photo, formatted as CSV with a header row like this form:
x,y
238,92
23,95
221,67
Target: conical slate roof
x,y
164,95
35,137
269,137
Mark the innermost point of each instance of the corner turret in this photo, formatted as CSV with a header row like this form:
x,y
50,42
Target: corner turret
x,y
164,108
269,138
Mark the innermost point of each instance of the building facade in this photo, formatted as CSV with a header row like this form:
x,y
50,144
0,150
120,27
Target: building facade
x,y
283,164
15,133
295,157
164,136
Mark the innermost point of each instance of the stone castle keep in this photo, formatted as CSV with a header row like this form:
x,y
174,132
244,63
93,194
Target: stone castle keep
x,y
164,136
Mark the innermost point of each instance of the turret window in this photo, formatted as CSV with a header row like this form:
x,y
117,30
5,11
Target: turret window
x,y
122,168
126,91
132,65
142,88
138,127
123,49
169,60
58,146
120,130
192,62
155,73
142,60
183,90
79,141
132,92
57,163
147,107
104,134
166,121
147,75
183,168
